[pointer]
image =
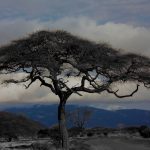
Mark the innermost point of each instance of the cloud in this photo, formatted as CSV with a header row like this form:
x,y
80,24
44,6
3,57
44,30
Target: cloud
x,y
114,107
131,11
122,36
18,93
14,29
116,104
123,24
14,94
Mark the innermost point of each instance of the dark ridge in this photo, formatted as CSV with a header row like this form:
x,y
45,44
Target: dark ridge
x,y
19,125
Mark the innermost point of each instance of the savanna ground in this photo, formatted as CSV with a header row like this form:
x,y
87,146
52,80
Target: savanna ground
x,y
116,142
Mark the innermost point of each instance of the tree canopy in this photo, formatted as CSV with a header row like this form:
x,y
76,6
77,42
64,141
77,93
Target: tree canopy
x,y
59,55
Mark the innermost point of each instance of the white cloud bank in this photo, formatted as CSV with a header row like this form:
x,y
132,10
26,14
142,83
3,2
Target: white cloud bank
x,y
122,36
128,37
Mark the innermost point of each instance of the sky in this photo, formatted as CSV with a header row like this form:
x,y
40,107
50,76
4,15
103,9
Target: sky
x,y
124,24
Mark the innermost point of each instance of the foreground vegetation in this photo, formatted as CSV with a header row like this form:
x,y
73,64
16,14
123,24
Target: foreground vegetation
x,y
48,139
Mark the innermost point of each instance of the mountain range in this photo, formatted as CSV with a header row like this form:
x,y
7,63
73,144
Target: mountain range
x,y
47,115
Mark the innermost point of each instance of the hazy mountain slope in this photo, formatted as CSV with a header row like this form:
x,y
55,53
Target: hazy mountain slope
x,y
17,125
47,114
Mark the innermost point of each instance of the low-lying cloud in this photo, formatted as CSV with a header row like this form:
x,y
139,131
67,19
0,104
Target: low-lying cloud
x,y
121,36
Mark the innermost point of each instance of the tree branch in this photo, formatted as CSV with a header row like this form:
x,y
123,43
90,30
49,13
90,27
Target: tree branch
x,y
69,89
123,96
42,83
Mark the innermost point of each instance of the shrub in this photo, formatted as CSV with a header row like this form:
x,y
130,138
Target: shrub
x,y
10,137
131,129
144,131
105,133
52,133
75,131
55,135
43,133
90,134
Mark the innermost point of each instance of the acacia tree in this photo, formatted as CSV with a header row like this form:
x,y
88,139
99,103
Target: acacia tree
x,y
57,59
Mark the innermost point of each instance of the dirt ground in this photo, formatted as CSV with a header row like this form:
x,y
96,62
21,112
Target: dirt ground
x,y
118,143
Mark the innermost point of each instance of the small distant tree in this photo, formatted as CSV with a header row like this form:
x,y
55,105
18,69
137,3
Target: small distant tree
x,y
79,117
57,58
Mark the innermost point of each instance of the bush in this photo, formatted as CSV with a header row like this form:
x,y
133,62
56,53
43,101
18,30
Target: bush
x,y
43,133
144,131
105,133
131,130
55,135
75,131
90,134
10,137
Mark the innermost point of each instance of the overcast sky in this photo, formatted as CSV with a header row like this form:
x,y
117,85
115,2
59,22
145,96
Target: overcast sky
x,y
125,24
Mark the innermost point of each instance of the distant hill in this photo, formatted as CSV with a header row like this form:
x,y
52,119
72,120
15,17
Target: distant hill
x,y
47,115
12,124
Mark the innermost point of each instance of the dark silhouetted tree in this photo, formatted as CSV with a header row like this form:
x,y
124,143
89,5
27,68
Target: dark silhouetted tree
x,y
58,58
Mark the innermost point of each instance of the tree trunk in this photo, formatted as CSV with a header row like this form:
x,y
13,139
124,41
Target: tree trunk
x,y
62,125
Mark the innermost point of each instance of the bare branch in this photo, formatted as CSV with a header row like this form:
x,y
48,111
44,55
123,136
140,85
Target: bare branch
x,y
42,83
123,96
69,89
